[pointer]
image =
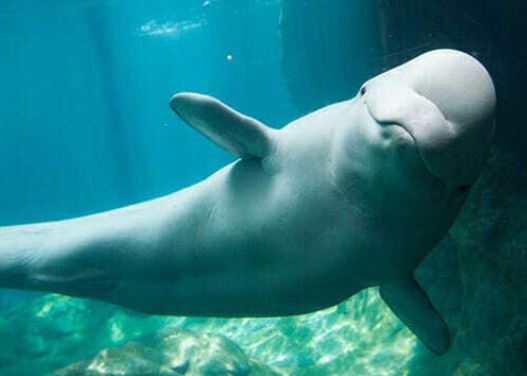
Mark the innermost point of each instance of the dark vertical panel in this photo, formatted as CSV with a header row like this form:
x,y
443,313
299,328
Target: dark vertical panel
x,y
329,49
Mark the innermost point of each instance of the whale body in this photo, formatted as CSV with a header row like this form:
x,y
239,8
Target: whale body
x,y
351,196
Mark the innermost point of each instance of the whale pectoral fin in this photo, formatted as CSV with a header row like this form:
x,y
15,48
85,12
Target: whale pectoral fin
x,y
241,135
412,306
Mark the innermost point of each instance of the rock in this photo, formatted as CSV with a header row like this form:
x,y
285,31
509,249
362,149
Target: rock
x,y
170,353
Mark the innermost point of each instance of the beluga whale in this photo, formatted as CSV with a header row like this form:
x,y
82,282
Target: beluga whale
x,y
351,196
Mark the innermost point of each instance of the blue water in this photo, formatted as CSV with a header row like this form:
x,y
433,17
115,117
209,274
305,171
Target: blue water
x,y
85,87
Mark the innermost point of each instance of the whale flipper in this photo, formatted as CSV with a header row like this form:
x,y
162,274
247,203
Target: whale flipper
x,y
241,135
413,307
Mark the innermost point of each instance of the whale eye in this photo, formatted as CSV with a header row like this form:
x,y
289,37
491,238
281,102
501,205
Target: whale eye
x,y
362,91
463,188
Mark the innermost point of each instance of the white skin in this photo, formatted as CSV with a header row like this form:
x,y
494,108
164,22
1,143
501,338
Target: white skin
x,y
351,196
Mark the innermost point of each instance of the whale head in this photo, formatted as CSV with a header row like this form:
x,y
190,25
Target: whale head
x,y
445,100
408,147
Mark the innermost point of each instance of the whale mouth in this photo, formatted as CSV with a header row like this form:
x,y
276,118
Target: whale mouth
x,y
385,123
398,122
393,123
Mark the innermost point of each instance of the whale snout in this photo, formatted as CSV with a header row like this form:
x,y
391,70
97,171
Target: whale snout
x,y
446,100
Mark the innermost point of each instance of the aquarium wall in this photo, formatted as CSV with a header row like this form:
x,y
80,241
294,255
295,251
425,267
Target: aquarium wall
x,y
85,127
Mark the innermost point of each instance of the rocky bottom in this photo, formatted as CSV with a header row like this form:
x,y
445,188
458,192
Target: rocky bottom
x,y
476,278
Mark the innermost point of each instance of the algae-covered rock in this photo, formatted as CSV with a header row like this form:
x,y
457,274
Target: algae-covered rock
x,y
53,331
179,352
81,337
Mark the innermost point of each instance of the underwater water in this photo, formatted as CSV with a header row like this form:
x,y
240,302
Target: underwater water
x,y
85,126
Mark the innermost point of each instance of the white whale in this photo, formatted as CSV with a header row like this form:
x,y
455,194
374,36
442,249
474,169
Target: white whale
x,y
351,196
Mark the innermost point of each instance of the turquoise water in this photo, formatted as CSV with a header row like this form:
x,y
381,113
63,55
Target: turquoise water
x,y
85,126
86,91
